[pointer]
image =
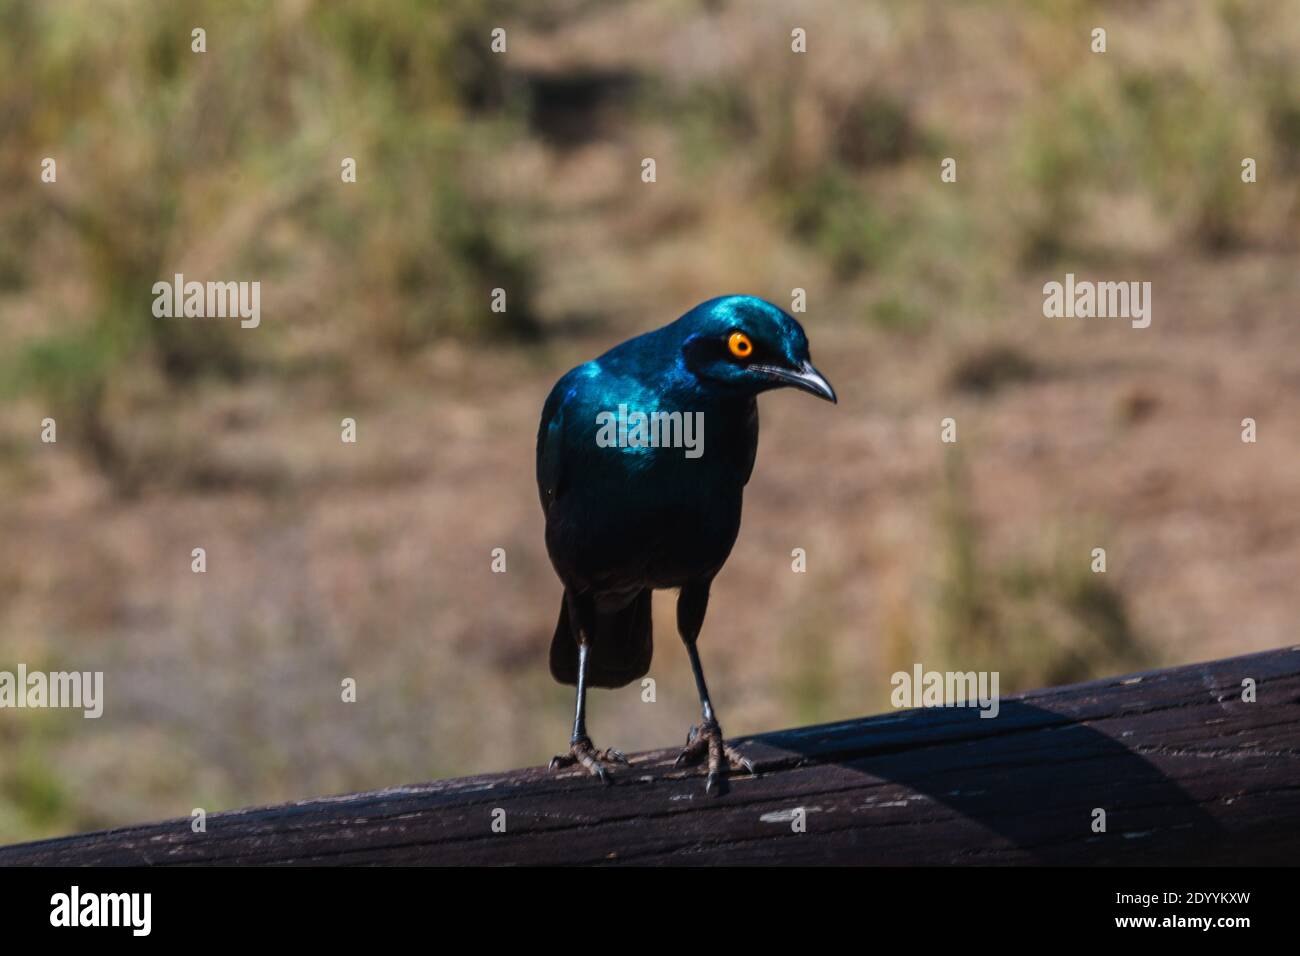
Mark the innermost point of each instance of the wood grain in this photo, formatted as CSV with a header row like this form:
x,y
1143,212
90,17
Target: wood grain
x,y
1186,771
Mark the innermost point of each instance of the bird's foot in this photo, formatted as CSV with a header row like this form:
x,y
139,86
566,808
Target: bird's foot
x,y
581,751
707,739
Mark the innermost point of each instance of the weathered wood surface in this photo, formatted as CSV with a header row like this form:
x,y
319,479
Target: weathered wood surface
x,y
1185,770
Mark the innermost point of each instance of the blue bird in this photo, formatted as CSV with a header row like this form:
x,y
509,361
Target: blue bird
x,y
642,459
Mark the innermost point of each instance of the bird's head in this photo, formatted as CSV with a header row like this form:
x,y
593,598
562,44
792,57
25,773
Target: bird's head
x,y
749,345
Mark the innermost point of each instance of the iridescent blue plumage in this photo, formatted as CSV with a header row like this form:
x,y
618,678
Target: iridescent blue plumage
x,y
626,514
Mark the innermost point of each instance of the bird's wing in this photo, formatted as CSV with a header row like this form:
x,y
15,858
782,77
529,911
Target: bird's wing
x,y
549,441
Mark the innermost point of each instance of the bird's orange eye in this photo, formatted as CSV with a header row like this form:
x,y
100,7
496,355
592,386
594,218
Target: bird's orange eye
x,y
740,345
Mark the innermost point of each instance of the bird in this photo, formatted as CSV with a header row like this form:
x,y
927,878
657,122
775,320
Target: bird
x,y
643,455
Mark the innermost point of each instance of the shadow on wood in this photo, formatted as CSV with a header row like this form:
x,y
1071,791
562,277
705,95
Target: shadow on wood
x,y
1185,770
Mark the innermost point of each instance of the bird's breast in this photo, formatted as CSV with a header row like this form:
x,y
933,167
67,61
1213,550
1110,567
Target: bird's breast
x,y
651,490
660,526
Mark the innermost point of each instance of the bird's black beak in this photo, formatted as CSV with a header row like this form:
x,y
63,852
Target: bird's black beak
x,y
804,377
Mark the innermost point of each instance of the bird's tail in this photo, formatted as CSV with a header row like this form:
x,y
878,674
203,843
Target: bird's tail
x,y
620,651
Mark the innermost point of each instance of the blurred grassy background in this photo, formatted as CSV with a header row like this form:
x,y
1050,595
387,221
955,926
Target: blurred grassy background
x,y
522,171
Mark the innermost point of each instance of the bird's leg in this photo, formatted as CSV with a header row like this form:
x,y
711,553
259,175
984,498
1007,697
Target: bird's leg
x,y
707,737
580,748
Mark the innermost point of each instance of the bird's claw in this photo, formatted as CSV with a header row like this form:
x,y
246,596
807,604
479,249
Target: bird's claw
x,y
707,739
688,754
582,752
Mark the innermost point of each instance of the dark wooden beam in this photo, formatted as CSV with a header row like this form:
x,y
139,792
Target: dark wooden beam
x,y
1185,770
